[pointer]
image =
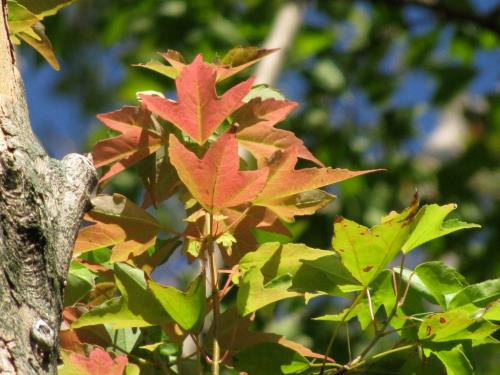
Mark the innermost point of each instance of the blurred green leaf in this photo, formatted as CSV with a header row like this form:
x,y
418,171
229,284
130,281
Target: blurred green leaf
x,y
270,359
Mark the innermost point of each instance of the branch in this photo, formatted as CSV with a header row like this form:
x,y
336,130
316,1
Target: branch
x,y
42,201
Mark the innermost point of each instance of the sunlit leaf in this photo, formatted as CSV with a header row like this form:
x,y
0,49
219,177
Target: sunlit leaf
x,y
136,307
215,180
187,309
431,225
198,111
287,191
366,251
274,272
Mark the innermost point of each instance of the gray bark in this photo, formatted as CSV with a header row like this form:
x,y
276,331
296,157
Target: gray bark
x,y
42,201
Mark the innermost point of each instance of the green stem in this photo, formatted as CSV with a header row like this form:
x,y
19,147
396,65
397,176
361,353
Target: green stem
x,y
336,330
379,334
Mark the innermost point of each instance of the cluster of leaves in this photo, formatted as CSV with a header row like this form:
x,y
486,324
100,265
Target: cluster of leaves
x,y
237,174
25,24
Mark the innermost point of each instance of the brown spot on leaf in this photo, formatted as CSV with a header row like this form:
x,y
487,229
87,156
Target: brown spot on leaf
x,y
341,250
442,320
339,219
428,331
367,268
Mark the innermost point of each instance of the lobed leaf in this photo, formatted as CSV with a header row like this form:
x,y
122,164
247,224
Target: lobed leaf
x,y
140,137
187,309
274,272
198,111
431,225
288,191
136,307
215,180
440,280
119,224
98,362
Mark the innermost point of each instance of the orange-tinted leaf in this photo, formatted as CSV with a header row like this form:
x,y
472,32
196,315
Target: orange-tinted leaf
x,y
215,180
99,362
256,132
240,58
236,60
289,192
139,139
263,112
119,224
198,111
263,141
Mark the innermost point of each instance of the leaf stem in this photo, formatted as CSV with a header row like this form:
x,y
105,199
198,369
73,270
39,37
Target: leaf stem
x,y
380,333
336,330
215,297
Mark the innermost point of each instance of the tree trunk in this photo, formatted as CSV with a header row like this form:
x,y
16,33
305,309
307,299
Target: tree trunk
x,y
42,201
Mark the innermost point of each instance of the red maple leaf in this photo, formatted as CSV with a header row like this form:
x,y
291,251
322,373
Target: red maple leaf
x,y
139,139
215,180
198,111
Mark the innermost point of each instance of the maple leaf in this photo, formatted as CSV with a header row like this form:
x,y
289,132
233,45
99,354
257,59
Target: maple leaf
x,y
240,222
119,224
215,180
289,192
236,60
99,362
139,139
263,112
198,111
256,132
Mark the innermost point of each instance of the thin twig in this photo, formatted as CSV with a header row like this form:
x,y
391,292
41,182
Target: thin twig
x,y
336,330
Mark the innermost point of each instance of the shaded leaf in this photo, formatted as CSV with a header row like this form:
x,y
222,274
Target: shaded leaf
x,y
240,58
440,280
382,294
140,137
270,359
215,180
136,307
455,361
120,224
99,362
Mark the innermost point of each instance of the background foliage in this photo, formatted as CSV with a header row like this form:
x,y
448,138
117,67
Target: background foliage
x,y
375,80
